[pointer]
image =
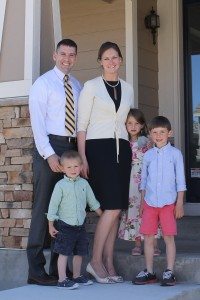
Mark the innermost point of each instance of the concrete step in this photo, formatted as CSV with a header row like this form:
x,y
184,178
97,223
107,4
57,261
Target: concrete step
x,y
187,266
13,272
188,228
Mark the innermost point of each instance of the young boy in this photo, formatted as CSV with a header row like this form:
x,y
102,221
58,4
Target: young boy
x,y
67,208
162,186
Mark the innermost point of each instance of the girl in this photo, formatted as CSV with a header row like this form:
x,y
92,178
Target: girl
x,y
130,220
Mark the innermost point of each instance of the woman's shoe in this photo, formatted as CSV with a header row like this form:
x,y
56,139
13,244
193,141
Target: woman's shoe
x,y
91,271
117,279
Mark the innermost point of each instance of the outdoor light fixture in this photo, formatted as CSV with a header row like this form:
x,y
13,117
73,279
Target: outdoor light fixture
x,y
152,22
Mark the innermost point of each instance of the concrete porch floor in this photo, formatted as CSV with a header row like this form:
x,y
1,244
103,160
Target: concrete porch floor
x,y
107,292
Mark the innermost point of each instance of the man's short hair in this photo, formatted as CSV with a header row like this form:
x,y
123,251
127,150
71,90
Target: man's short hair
x,y
67,42
71,154
159,121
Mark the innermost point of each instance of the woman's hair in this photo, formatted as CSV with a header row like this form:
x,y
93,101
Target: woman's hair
x,y
108,45
139,116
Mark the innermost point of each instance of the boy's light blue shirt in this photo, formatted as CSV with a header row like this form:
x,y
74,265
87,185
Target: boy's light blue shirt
x,y
69,199
162,175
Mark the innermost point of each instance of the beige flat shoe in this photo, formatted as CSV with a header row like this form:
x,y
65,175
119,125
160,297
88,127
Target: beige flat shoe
x,y
104,280
117,279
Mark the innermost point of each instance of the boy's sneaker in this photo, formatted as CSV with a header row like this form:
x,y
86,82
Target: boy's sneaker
x,y
83,280
145,277
168,278
67,284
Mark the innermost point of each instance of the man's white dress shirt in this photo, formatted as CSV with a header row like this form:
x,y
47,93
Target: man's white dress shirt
x,y
47,108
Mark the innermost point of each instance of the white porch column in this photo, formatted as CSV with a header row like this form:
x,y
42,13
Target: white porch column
x,y
170,61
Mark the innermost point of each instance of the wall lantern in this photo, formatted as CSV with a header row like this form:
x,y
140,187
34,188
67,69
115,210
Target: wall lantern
x,y
152,22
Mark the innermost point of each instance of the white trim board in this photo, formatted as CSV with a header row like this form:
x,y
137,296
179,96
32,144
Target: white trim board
x,y
32,40
15,88
56,21
131,46
2,17
170,61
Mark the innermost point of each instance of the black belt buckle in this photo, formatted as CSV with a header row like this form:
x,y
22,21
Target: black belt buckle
x,y
71,139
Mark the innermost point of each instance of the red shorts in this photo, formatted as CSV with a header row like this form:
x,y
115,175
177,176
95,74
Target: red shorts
x,y
153,216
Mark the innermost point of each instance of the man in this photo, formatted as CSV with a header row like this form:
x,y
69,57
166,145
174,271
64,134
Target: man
x,y
53,111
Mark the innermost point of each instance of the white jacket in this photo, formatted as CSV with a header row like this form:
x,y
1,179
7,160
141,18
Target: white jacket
x,y
96,110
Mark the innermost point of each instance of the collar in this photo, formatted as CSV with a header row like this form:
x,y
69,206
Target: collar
x,y
59,73
71,179
164,148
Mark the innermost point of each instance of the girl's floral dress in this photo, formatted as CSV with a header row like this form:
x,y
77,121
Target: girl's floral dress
x,y
130,220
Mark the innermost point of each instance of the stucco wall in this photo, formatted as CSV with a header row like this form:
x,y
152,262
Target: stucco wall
x,y
13,39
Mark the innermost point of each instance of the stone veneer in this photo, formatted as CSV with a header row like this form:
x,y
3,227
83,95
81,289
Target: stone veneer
x,y
16,145
16,188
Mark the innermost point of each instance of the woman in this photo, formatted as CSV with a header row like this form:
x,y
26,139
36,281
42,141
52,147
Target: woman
x,y
103,145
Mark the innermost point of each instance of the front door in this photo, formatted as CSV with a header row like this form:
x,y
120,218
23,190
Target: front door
x,y
191,11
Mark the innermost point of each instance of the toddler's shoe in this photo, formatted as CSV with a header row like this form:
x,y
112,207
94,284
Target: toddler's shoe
x,y
145,277
168,278
83,280
67,284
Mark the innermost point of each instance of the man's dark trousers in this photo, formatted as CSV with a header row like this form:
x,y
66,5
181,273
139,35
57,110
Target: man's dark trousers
x,y
44,181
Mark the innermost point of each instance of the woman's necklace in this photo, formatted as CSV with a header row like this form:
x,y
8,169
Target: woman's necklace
x,y
113,86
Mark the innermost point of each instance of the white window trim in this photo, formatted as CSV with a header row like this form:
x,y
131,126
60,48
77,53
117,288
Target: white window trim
x,y
32,53
131,46
2,17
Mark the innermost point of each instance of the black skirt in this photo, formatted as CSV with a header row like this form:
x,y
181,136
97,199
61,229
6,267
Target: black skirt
x,y
108,178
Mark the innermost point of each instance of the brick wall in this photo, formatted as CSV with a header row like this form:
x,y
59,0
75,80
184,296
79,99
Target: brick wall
x,y
16,189
16,145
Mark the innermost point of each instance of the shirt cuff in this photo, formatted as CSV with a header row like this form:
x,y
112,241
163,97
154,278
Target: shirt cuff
x,y
47,152
181,188
95,207
52,218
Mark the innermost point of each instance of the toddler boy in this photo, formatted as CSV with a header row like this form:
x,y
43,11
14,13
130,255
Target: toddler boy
x,y
67,208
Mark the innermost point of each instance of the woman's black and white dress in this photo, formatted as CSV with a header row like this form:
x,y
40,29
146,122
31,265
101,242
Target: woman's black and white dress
x,y
102,113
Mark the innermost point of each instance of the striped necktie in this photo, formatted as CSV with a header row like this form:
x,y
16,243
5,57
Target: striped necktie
x,y
69,107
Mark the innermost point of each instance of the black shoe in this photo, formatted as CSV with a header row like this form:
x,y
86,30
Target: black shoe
x,y
168,278
83,280
43,279
67,284
145,277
